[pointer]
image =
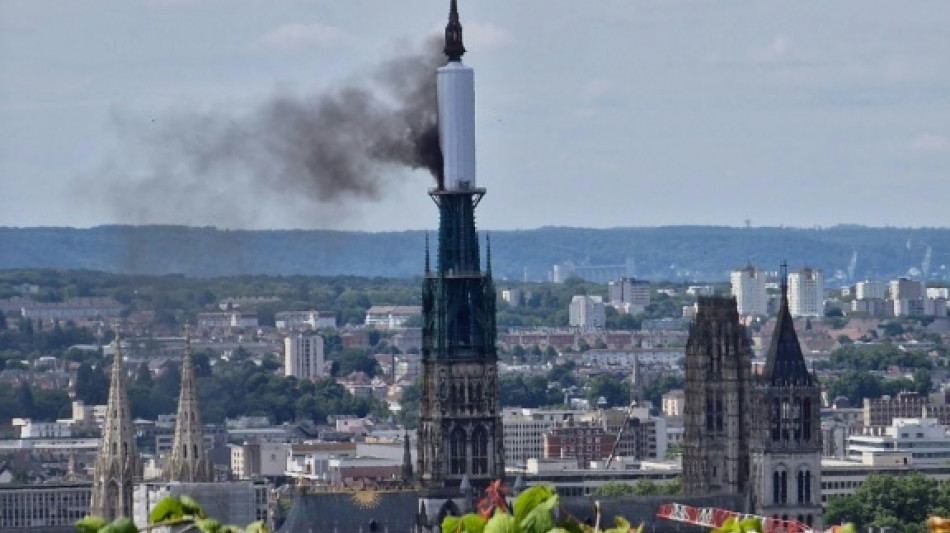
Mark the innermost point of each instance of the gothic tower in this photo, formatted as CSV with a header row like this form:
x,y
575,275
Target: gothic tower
x,y
715,445
117,465
460,430
785,445
189,460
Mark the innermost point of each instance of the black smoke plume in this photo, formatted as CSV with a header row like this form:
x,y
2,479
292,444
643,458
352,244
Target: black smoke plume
x,y
336,146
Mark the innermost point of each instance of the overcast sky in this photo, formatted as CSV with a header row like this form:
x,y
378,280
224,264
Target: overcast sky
x,y
600,113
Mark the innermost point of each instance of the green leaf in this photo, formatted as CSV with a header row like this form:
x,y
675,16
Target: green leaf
x,y
451,524
529,499
90,524
166,509
472,523
190,507
120,525
621,523
539,519
257,527
208,525
572,525
750,524
729,525
502,523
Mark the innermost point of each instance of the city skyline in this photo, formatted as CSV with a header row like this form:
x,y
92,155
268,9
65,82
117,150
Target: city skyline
x,y
671,112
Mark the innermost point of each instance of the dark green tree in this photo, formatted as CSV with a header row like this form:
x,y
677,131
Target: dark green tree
x,y
24,399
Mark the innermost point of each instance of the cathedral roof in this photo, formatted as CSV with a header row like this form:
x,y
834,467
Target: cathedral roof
x,y
785,364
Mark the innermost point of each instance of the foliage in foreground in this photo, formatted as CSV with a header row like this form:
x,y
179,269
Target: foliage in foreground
x,y
179,514
531,512
901,502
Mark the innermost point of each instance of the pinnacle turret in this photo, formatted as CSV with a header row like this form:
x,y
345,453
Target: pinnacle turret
x,y
189,460
117,465
454,49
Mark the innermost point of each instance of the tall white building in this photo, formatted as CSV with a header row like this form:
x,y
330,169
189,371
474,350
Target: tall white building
x,y
748,286
303,356
806,292
587,312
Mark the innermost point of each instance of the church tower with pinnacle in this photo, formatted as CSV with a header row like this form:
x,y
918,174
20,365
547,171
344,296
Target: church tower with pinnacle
x,y
189,460
785,444
117,465
715,417
460,432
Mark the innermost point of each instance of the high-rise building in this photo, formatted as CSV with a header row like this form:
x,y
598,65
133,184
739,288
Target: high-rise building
x,y
715,417
907,297
303,356
870,290
748,288
629,295
587,312
189,462
806,293
117,466
785,442
460,434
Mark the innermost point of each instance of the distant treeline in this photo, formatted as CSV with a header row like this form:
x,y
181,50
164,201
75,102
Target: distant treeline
x,y
672,253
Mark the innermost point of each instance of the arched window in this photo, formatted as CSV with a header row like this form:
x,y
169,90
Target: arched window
x,y
801,486
776,420
784,483
796,419
780,485
184,451
480,451
776,489
808,486
457,458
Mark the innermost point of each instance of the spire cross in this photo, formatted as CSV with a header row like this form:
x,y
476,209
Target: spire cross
x,y
454,49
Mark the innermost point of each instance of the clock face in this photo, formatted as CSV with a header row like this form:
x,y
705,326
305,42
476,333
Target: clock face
x,y
365,499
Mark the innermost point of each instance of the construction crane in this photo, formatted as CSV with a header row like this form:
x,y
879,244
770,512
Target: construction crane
x,y
623,426
713,518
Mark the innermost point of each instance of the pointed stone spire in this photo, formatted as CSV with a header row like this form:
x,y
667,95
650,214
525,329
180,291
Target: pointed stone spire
x,y
785,363
454,49
407,476
189,461
117,465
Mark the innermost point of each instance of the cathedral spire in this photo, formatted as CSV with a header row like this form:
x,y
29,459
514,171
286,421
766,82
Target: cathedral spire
x,y
189,460
785,363
454,49
117,465
407,476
